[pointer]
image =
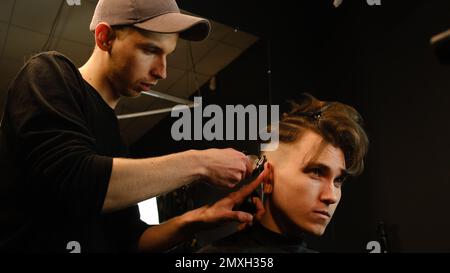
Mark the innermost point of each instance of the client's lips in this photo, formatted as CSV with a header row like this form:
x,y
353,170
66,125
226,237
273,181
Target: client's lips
x,y
323,212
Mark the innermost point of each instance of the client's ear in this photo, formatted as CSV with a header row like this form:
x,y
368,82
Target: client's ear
x,y
268,182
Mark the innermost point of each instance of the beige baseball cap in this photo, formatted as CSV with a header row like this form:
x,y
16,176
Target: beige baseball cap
x,y
162,16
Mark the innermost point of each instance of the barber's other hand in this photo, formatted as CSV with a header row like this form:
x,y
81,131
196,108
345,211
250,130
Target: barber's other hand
x,y
214,215
225,167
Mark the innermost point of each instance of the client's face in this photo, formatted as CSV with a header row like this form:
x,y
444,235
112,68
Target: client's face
x,y
305,188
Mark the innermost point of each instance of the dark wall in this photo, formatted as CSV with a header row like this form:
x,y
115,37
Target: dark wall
x,y
377,59
385,66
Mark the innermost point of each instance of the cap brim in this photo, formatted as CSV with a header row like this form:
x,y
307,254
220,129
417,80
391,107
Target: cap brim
x,y
190,27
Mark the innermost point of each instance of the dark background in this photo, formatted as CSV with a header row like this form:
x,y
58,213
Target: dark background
x,y
376,58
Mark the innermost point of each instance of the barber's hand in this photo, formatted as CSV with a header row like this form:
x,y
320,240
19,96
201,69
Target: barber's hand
x,y
225,167
214,215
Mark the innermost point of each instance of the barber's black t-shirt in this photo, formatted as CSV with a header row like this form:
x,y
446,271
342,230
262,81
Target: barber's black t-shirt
x,y
57,141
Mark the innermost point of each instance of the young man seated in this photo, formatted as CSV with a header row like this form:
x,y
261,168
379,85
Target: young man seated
x,y
321,143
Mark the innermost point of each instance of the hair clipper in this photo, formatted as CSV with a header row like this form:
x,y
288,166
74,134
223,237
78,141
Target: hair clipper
x,y
248,205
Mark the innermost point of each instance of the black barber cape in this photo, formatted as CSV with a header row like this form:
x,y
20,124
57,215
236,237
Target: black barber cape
x,y
58,139
257,239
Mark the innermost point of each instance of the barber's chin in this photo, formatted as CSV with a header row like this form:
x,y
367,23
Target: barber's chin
x,y
133,93
136,94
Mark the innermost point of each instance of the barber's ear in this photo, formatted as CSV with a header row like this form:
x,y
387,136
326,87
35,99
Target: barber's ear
x,y
104,36
268,182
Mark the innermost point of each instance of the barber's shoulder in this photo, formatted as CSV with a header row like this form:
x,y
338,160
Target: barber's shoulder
x,y
51,65
50,57
49,73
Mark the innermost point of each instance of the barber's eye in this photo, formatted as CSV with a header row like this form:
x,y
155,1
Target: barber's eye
x,y
149,51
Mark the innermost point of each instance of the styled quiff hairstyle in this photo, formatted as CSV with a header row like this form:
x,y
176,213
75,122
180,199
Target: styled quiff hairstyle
x,y
338,124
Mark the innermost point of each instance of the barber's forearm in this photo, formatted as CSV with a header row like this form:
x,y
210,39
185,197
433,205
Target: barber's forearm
x,y
135,180
163,237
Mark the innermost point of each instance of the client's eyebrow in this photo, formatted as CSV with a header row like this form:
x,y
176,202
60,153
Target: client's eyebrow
x,y
324,170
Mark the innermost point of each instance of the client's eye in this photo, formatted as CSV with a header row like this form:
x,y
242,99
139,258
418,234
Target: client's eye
x,y
339,181
317,172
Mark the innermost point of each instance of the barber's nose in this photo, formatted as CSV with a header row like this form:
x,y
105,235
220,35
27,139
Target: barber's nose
x,y
159,71
329,194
